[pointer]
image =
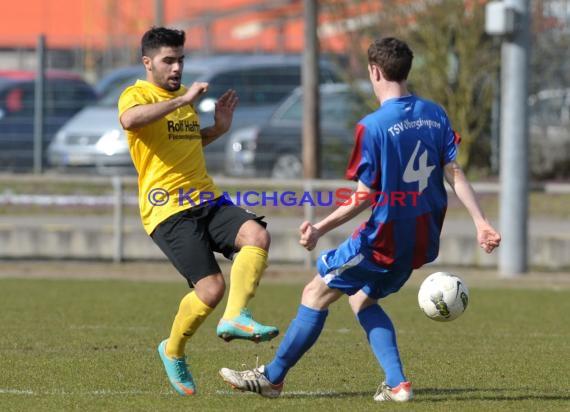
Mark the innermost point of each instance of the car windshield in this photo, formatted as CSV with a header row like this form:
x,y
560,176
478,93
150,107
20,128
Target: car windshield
x,y
341,106
111,98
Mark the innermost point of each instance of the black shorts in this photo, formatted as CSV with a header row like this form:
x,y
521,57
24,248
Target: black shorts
x,y
189,238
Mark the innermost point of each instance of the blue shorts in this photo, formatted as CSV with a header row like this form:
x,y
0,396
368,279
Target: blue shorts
x,y
348,270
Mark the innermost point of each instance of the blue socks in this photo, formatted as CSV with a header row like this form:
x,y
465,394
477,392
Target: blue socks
x,y
305,329
382,338
300,336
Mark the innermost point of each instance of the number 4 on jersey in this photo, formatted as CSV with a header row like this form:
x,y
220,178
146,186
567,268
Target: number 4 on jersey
x,y
422,173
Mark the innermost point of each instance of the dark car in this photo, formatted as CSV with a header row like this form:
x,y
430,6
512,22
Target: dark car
x,y
65,94
274,149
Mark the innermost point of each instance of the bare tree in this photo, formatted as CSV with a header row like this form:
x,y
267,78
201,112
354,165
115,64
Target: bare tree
x,y
455,65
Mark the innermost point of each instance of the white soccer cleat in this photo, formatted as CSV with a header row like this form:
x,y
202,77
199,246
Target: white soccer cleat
x,y
253,380
401,393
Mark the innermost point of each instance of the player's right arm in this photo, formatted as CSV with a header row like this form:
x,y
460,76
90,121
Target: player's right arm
x,y
144,114
310,233
487,236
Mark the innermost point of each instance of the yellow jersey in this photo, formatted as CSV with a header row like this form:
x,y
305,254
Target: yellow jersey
x,y
168,157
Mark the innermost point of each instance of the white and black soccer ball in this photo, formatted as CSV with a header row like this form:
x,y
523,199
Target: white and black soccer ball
x,y
443,296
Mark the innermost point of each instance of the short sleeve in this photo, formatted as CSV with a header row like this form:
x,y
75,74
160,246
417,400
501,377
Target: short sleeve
x,y
364,164
131,97
451,143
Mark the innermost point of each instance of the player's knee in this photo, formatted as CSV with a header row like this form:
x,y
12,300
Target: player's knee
x,y
214,296
317,295
211,290
309,293
262,239
359,301
253,234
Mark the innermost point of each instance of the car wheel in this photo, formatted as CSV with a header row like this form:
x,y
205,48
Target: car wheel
x,y
287,166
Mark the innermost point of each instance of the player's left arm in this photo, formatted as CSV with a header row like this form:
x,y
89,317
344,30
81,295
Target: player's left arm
x,y
487,236
359,200
223,116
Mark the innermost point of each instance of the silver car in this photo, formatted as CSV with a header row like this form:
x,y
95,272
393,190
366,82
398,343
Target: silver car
x,y
94,138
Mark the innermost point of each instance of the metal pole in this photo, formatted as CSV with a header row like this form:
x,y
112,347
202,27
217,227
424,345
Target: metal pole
x,y
310,82
158,13
39,104
514,145
309,214
118,219
496,126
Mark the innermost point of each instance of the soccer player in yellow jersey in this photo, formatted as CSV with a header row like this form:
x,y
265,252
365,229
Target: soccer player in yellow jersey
x,y
182,209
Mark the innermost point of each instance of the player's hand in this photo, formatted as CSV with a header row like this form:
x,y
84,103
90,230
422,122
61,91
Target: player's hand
x,y
488,238
195,90
309,235
224,111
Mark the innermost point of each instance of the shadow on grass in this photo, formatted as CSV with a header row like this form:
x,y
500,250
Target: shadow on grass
x,y
440,395
324,394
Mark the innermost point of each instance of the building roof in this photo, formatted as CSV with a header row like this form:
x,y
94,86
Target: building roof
x,y
218,26
31,74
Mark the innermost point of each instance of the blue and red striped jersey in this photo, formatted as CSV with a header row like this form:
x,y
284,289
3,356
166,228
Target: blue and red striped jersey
x,y
399,151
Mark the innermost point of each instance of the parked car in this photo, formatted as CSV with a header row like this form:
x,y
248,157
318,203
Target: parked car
x,y
549,132
94,137
65,94
274,149
117,77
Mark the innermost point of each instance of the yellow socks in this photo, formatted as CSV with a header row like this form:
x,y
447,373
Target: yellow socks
x,y
191,313
246,271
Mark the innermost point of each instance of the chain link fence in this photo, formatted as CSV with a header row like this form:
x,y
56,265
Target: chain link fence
x,y
549,81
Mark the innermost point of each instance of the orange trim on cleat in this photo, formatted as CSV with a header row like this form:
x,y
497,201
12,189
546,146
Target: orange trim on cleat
x,y
177,371
187,391
245,327
401,393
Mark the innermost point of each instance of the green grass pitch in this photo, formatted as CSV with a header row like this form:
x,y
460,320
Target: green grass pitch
x,y
91,345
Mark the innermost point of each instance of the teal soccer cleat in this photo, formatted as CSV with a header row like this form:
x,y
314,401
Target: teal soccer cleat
x,y
245,327
177,372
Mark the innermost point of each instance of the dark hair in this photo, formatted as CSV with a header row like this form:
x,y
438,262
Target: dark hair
x,y
158,37
392,56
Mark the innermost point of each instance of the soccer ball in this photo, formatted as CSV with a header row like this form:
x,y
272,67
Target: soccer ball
x,y
443,296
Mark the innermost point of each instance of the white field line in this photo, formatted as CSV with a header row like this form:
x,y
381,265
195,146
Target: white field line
x,y
110,392
4,391
100,392
112,327
284,394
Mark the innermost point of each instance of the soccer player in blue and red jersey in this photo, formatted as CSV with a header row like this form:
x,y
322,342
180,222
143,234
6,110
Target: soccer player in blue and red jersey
x,y
402,154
